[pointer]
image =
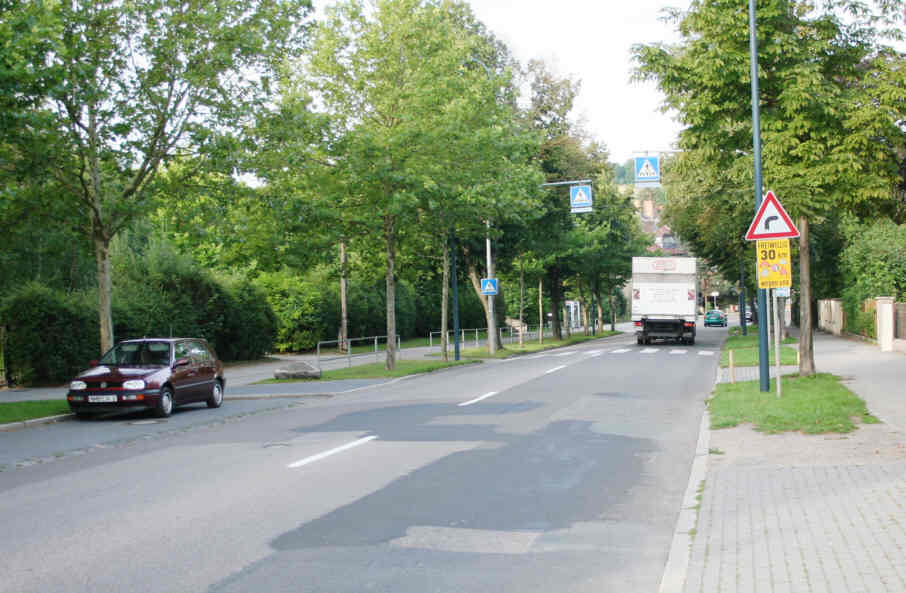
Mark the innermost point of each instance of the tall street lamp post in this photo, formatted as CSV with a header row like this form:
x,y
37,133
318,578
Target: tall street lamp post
x,y
763,372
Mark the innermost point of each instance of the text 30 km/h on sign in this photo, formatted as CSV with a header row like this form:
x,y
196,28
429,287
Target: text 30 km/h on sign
x,y
775,269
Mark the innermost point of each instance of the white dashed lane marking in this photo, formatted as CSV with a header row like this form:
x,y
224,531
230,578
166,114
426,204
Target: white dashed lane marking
x,y
706,353
621,351
650,351
478,399
334,451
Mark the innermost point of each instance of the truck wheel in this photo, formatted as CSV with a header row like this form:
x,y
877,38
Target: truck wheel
x,y
691,341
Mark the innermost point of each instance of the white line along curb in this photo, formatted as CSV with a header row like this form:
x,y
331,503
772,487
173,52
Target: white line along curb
x,y
674,577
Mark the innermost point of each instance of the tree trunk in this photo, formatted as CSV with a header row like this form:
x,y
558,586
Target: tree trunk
x,y
521,301
613,312
541,310
443,302
806,345
105,316
344,318
599,309
390,238
101,238
554,277
583,302
492,321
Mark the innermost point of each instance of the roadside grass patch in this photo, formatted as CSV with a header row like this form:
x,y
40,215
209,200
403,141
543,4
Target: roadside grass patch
x,y
376,370
748,357
812,405
21,411
529,347
745,349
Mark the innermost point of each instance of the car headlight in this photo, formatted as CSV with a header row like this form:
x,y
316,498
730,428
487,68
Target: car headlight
x,y
134,384
78,385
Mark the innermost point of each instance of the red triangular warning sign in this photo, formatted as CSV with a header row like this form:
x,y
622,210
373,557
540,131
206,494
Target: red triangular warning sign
x,y
771,221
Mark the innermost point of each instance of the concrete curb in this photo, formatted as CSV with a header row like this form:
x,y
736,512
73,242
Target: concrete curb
x,y
35,422
674,577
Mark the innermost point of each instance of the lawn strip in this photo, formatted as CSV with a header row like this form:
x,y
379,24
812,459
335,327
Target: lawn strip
x,y
530,347
749,357
29,410
813,405
376,370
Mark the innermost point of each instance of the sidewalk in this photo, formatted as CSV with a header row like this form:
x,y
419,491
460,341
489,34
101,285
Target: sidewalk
x,y
821,513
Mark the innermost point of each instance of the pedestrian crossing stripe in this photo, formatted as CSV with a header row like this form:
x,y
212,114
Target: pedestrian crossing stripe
x,y
620,351
677,352
706,353
650,351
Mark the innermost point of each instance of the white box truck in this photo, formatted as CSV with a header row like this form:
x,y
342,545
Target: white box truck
x,y
664,299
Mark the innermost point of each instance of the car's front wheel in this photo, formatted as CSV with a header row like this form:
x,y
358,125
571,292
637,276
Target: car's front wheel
x,y
216,398
165,405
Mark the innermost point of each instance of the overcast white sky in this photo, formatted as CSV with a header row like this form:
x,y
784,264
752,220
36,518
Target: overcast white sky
x,y
591,40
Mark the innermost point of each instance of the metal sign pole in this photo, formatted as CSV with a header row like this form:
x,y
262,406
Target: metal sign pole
x,y
763,364
777,342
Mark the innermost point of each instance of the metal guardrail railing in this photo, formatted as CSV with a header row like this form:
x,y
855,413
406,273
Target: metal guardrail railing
x,y
479,336
374,341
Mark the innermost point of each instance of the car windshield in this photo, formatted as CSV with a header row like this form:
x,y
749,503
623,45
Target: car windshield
x,y
138,354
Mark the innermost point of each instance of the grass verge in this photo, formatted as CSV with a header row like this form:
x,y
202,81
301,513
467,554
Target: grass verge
x,y
377,371
745,350
21,411
530,347
813,405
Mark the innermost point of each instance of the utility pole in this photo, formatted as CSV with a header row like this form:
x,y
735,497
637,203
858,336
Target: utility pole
x,y
763,352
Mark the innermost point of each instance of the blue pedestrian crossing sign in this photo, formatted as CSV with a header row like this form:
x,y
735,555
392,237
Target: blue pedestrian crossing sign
x,y
648,171
580,198
489,286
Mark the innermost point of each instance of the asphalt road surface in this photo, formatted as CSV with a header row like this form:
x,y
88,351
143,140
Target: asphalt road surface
x,y
557,472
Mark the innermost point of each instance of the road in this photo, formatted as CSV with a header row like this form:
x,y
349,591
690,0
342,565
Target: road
x,y
557,472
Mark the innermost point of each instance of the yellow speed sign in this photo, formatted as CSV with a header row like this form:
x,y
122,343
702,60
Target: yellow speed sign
x,y
775,270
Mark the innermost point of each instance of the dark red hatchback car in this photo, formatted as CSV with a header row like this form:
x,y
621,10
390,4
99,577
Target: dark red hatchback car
x,y
151,373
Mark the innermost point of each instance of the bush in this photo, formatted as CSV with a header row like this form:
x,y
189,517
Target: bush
x,y
51,335
300,306
873,264
162,293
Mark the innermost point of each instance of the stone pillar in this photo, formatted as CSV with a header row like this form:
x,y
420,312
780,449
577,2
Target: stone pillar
x,y
884,323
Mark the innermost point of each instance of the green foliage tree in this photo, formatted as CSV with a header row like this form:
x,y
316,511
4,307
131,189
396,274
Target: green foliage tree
x,y
135,84
415,118
831,134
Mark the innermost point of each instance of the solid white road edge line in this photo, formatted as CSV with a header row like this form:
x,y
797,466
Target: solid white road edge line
x,y
339,449
478,399
555,369
674,578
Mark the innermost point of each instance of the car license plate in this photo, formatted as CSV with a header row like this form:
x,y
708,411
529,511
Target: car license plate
x,y
100,399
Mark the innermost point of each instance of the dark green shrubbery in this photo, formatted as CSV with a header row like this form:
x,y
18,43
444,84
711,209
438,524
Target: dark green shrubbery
x,y
51,335
162,293
308,308
873,264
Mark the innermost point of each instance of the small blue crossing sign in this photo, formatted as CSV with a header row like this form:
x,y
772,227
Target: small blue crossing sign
x,y
580,198
648,171
489,286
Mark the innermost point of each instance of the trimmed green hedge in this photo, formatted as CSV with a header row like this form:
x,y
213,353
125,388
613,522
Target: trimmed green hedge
x,y
51,335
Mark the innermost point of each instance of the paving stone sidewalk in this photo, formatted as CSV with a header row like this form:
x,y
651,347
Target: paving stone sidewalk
x,y
809,513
